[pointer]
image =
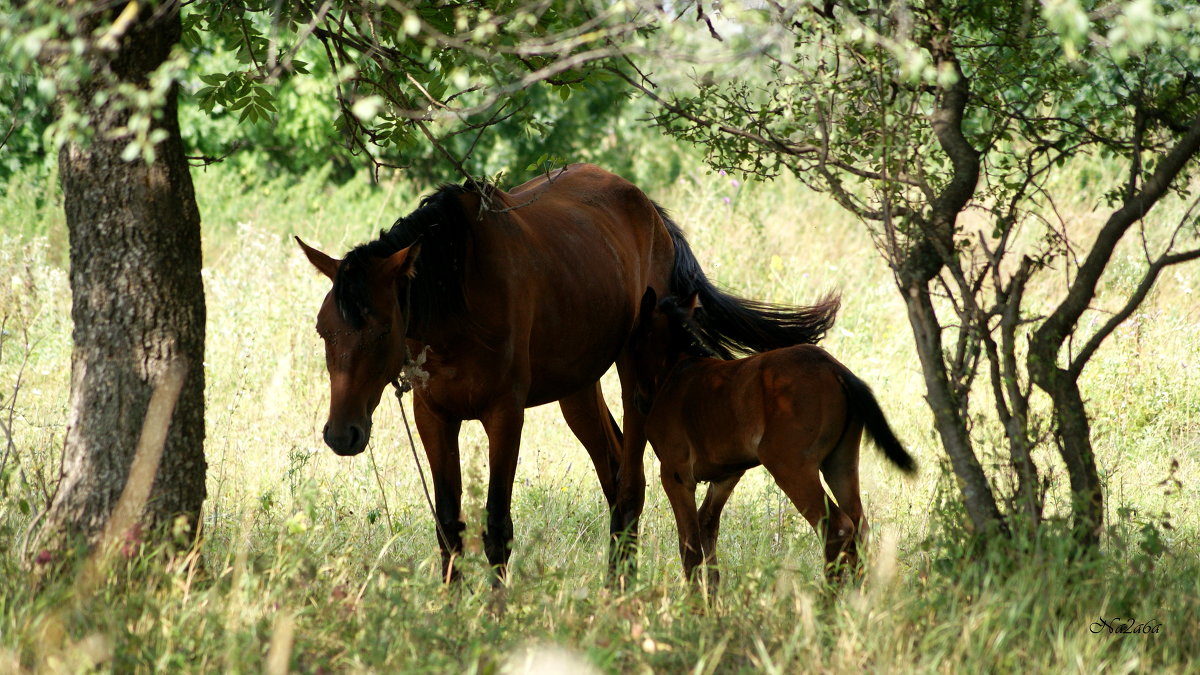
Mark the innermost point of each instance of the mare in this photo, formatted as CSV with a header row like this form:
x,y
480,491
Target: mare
x,y
493,302
796,411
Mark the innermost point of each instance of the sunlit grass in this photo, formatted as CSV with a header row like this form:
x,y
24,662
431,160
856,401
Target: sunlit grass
x,y
333,561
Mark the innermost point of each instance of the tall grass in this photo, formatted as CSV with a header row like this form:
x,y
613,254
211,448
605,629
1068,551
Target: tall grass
x,y
314,563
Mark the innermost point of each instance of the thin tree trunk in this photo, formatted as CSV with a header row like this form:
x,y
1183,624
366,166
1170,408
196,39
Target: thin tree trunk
x,y
948,412
137,304
1062,384
1076,449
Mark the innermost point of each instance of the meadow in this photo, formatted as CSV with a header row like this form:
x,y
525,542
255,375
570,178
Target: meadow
x,y
313,563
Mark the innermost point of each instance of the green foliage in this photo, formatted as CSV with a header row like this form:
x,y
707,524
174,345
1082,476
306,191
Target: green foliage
x,y
26,100
477,88
276,88
27,112
864,83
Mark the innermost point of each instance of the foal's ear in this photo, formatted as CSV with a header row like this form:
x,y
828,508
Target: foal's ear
x,y
649,302
403,262
648,305
324,264
691,302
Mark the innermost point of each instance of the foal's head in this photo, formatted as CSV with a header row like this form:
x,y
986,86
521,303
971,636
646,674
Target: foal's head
x,y
362,322
664,335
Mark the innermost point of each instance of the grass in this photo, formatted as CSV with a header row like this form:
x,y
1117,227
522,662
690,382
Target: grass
x,y
314,563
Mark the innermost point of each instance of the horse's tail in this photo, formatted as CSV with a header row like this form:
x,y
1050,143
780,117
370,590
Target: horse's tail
x,y
864,406
732,324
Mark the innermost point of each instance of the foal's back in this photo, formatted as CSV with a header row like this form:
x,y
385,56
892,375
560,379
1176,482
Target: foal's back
x,y
786,405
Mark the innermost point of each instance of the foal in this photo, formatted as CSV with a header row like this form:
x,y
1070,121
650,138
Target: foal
x,y
795,410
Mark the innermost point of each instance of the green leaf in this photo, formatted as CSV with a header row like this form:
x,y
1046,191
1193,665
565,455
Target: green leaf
x,y
131,151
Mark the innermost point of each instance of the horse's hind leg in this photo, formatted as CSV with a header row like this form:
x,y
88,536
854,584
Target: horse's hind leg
x,y
440,438
840,469
710,524
800,481
590,421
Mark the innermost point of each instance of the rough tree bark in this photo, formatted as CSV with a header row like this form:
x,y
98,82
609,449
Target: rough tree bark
x,y
137,298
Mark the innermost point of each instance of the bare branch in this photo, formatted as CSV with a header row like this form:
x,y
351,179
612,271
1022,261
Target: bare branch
x,y
1054,331
1135,300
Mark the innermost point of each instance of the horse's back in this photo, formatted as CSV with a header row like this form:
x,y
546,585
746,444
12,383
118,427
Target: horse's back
x,y
581,182
563,271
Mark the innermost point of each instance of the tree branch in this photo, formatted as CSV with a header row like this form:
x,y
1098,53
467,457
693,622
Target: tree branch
x,y
1053,332
1131,305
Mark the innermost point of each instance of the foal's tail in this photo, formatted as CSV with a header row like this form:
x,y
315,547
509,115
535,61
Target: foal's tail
x,y
866,408
732,324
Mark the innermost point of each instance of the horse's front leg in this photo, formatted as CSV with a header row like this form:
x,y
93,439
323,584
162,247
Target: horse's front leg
x,y
440,438
503,427
631,481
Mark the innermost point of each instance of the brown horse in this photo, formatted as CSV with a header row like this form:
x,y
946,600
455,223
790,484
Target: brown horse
x,y
494,302
796,411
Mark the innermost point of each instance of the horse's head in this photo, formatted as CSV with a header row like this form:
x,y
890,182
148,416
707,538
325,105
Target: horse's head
x,y
362,322
660,340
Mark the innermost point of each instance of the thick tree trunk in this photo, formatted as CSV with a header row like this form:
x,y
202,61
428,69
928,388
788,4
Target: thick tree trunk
x,y
137,304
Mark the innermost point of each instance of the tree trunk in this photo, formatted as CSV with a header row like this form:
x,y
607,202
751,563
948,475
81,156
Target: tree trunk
x,y
948,412
1074,444
1062,384
137,301
1075,439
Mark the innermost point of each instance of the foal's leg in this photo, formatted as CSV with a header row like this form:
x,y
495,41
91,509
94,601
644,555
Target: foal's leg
x,y
440,438
801,482
710,523
681,492
590,421
840,469
503,426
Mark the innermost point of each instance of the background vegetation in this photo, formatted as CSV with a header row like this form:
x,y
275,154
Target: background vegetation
x,y
316,563
312,563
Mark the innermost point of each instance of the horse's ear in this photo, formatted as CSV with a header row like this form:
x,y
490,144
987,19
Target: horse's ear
x,y
324,264
403,262
691,302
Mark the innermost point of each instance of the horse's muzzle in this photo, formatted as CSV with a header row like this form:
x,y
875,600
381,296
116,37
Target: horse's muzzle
x,y
347,440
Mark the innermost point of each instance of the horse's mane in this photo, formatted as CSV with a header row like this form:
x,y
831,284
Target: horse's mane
x,y
687,336
440,224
